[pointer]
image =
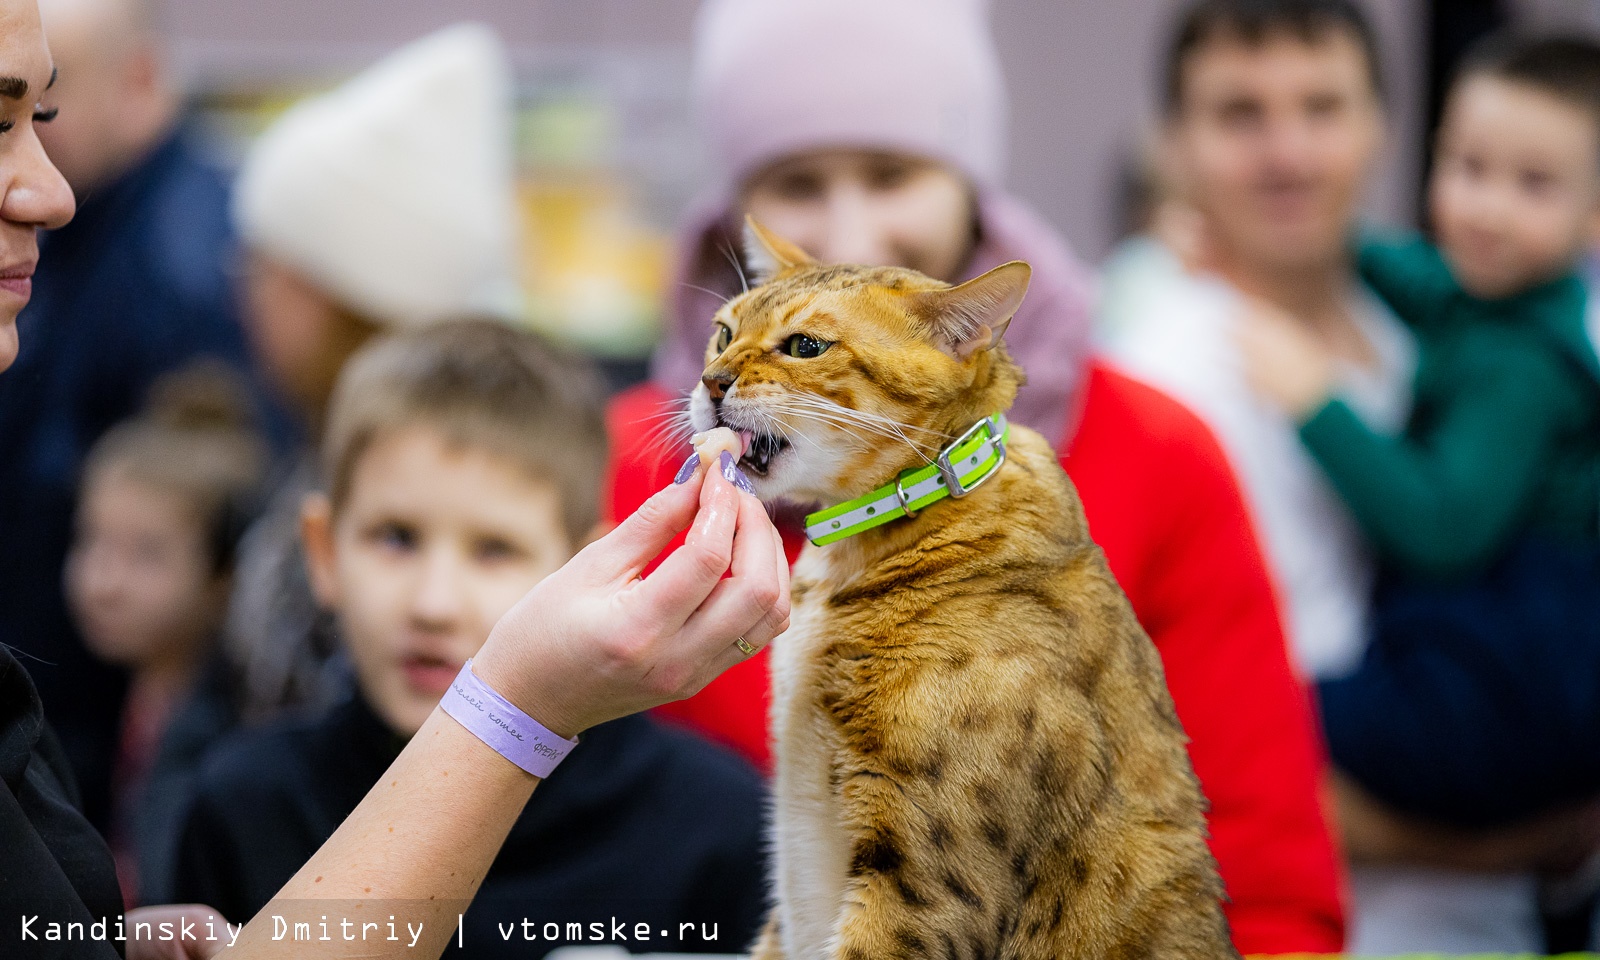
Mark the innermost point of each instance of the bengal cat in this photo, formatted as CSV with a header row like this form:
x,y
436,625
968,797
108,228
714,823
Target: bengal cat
x,y
977,756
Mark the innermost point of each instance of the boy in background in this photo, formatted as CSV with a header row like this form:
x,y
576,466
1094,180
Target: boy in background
x,y
463,465
1477,704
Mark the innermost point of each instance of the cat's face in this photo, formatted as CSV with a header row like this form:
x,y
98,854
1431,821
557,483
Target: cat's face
x,y
840,377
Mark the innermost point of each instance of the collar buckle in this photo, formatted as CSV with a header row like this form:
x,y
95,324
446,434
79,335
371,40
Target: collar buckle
x,y
978,454
900,494
952,478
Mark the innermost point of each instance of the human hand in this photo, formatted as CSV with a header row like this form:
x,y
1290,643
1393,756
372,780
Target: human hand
x,y
593,641
197,932
1283,361
1554,842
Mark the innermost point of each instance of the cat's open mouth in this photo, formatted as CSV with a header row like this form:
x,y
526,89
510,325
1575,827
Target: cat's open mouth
x,y
760,449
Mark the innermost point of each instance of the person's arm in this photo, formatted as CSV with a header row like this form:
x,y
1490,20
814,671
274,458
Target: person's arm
x,y
416,848
1406,272
590,643
1557,841
1444,502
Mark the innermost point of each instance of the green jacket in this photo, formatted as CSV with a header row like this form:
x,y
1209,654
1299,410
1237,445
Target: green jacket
x,y
1504,437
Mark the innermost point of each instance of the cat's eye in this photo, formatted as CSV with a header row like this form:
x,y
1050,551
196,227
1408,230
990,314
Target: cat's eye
x,y
805,347
724,338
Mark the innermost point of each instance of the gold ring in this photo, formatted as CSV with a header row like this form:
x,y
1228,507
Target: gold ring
x,y
744,647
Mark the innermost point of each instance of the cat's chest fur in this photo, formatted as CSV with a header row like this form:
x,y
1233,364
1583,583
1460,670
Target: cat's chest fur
x,y
811,846
976,753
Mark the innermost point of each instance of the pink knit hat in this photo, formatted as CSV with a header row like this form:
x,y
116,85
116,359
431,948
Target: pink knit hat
x,y
778,77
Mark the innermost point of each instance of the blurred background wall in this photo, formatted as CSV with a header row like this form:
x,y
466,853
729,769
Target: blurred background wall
x,y
611,159
1080,71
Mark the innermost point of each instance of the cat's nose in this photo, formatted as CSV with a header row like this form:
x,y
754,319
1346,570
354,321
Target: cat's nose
x,y
717,385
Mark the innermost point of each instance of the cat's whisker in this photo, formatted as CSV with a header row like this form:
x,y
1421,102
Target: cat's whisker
x,y
656,434
667,408
664,415
863,414
738,268
860,441
785,429
722,297
673,425
893,432
840,417
834,417
883,424
666,437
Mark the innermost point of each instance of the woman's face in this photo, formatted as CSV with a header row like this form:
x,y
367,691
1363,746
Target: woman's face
x,y
868,207
33,194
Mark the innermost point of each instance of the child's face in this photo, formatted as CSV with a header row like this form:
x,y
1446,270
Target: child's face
x,y
433,544
1516,187
139,577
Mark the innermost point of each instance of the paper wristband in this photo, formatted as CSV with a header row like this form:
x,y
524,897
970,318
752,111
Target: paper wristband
x,y
494,720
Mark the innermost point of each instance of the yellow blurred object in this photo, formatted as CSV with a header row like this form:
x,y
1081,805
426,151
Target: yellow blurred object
x,y
593,265
593,270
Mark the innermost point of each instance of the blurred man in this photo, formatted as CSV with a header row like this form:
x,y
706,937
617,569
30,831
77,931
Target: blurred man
x,y
1273,122
133,287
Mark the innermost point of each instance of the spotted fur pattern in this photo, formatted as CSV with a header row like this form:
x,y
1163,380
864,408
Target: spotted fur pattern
x,y
977,754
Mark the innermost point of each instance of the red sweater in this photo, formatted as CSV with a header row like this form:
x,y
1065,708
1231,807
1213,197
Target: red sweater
x,y
1163,505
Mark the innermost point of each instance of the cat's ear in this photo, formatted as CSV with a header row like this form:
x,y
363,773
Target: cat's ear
x,y
974,315
769,254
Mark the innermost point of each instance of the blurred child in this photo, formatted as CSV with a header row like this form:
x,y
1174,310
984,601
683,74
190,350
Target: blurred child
x,y
164,499
463,465
1477,703
356,220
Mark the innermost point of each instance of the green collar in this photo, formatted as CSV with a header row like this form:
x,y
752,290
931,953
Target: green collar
x,y
959,469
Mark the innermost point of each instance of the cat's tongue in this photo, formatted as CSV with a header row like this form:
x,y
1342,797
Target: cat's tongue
x,y
746,438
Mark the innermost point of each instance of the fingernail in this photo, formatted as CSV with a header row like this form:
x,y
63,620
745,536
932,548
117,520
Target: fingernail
x,y
687,470
733,474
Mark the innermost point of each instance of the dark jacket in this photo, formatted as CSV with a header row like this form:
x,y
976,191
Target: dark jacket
x,y
53,865
207,716
640,824
134,287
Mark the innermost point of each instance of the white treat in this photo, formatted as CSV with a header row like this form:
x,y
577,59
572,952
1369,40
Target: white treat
x,y
711,444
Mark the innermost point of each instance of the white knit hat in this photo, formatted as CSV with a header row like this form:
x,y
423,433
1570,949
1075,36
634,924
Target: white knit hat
x,y
777,77
394,192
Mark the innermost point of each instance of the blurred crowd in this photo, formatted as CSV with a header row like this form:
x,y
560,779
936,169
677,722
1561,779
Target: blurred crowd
x,y
279,449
